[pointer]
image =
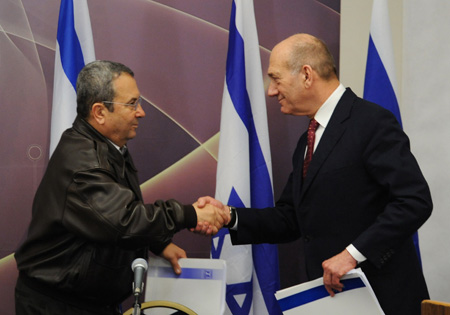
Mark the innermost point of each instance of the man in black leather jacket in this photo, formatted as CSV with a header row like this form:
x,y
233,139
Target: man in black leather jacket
x,y
89,221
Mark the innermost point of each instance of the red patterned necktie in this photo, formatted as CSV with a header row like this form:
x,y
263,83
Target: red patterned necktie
x,y
313,124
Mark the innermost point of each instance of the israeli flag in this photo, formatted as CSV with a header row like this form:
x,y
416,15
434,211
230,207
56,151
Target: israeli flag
x,y
74,48
244,171
380,84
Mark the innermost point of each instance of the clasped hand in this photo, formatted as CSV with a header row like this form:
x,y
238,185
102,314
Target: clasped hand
x,y
212,215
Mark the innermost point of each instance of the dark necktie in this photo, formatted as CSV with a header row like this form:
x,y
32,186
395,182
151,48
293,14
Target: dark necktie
x,y
313,124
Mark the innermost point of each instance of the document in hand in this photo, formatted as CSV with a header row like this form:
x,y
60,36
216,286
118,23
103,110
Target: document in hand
x,y
200,287
311,298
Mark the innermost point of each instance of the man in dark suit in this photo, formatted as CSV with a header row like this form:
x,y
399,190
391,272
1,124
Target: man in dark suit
x,y
362,196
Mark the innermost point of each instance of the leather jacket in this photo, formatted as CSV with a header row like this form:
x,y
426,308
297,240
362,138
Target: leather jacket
x,y
89,222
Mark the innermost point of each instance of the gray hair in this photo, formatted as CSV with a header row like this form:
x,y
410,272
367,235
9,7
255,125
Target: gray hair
x,y
313,52
95,84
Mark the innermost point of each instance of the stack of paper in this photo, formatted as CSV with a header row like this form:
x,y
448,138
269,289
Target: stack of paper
x,y
311,298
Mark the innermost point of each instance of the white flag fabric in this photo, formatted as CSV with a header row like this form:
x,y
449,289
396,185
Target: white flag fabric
x,y
244,171
74,48
380,83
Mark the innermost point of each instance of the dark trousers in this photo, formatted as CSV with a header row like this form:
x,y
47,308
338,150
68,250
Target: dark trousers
x,y
31,302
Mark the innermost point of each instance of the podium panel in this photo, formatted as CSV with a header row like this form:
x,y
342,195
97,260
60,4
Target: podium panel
x,y
201,286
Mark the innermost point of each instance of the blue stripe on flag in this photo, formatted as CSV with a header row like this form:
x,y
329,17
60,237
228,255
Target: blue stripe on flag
x,y
70,49
316,293
261,192
265,257
75,47
377,86
265,261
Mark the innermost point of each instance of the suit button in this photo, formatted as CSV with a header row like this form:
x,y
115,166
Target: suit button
x,y
307,238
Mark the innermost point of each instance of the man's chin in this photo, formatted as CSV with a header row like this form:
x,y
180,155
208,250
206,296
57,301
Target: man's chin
x,y
131,135
285,111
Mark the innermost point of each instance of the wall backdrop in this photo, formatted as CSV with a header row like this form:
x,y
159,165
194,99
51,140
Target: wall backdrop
x,y
177,50
421,47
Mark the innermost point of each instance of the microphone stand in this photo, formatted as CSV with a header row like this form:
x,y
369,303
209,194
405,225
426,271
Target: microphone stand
x,y
137,307
137,304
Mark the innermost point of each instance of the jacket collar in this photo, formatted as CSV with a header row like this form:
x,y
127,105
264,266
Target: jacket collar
x,y
334,131
105,149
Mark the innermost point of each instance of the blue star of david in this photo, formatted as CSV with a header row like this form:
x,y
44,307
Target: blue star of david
x,y
238,289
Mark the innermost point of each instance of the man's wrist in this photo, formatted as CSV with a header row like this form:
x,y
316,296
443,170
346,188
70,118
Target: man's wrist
x,y
356,254
232,216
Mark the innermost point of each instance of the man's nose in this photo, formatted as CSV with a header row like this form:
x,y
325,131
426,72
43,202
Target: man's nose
x,y
272,90
140,111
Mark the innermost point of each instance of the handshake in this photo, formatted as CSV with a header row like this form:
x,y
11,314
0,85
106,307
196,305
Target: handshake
x,y
212,215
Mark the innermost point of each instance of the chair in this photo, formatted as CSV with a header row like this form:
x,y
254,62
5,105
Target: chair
x,y
165,304
430,307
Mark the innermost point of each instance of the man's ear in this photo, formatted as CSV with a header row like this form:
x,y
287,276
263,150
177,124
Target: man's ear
x,y
307,75
98,113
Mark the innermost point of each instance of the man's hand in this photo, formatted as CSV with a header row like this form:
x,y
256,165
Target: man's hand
x,y
172,253
334,268
202,201
211,216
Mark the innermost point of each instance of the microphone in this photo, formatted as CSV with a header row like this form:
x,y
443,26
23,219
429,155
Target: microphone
x,y
139,267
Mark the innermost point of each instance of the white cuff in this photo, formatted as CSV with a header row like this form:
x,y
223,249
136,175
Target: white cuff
x,y
234,227
356,254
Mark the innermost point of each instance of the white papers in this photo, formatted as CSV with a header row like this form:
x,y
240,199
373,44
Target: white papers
x,y
200,287
311,298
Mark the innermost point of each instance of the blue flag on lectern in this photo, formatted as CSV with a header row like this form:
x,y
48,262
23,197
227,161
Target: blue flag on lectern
x,y
74,48
380,82
244,171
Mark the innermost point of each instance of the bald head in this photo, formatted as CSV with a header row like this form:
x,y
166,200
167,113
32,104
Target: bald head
x,y
302,73
305,49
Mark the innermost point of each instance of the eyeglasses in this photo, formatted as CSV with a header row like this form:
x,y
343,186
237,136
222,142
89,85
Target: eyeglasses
x,y
134,105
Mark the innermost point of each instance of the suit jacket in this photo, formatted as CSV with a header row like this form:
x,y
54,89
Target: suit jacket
x,y
363,187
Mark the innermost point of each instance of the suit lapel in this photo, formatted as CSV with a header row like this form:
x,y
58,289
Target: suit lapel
x,y
333,132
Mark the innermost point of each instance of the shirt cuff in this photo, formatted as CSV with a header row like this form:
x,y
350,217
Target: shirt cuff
x,y
234,227
356,254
